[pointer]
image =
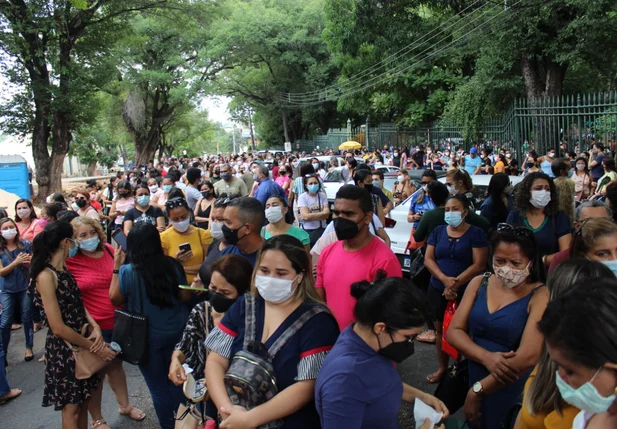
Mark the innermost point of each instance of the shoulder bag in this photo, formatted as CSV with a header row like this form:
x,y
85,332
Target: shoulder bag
x,y
251,380
131,330
86,363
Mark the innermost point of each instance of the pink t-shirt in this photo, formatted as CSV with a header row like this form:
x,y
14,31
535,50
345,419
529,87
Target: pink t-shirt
x,y
281,180
93,278
31,230
338,269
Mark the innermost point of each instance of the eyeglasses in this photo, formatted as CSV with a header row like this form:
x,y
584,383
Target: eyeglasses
x,y
519,231
175,203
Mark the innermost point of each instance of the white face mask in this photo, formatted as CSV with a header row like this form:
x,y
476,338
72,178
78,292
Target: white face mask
x,y
181,226
275,290
274,214
9,234
580,167
540,199
216,229
23,213
400,177
153,188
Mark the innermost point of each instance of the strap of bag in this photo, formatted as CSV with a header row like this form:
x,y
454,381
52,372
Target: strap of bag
x,y
295,327
249,319
140,293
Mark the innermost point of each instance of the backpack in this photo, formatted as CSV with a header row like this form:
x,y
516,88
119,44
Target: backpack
x,y
251,380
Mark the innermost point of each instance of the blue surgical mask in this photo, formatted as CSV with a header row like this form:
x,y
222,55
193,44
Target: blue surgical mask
x,y
73,250
377,183
167,188
453,219
313,188
316,166
143,200
90,244
586,397
611,265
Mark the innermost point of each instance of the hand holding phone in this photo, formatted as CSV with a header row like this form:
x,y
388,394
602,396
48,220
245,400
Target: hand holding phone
x,y
120,238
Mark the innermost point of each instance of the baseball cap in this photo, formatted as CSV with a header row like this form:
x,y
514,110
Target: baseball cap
x,y
473,150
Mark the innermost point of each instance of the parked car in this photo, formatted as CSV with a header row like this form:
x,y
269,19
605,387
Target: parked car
x,y
386,168
399,233
326,159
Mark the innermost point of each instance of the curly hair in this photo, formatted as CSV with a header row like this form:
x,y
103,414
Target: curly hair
x,y
522,194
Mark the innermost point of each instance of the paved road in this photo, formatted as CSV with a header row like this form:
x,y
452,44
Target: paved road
x,y
26,412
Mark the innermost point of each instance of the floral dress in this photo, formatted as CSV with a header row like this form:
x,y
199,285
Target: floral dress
x,y
61,386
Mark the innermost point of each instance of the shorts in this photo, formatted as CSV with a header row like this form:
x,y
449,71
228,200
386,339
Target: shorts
x,y
438,302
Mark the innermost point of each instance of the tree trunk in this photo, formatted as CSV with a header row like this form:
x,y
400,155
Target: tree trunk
x,y
285,130
91,169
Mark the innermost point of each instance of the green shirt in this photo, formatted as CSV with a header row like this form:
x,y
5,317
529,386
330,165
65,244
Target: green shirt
x,y
433,218
294,231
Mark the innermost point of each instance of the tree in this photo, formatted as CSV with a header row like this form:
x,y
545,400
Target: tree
x,y
54,48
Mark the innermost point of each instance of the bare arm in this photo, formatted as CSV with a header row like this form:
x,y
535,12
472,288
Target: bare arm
x,y
480,255
128,224
322,215
431,264
381,233
112,210
216,367
380,213
160,223
287,402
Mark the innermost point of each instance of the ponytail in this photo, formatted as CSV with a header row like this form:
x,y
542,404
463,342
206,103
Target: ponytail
x,y
46,243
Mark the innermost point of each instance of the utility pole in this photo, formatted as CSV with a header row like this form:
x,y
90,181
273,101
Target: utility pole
x,y
233,136
251,127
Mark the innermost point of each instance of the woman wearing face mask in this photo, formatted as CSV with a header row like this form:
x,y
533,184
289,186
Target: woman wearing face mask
x,y
160,198
495,326
314,208
535,203
203,208
455,254
143,212
150,283
582,180
276,209
82,205
498,203
92,267
609,176
596,239
49,213
531,165
122,204
182,233
459,182
421,201
283,290
403,188
230,278
283,179
299,188
66,315
26,219
543,406
579,330
358,385
15,254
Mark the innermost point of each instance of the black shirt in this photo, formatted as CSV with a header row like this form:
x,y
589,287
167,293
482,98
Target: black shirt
x,y
149,216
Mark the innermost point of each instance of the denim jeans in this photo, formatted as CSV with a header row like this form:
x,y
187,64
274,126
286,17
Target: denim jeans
x,y
4,384
10,303
166,396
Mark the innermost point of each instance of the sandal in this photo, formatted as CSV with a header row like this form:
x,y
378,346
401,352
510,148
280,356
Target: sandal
x,y
15,326
37,327
435,377
428,337
132,412
28,357
13,393
98,423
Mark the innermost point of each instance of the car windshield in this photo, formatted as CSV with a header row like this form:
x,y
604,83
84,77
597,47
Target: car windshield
x,y
334,176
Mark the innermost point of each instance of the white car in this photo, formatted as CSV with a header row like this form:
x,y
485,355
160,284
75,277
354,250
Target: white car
x,y
386,168
399,234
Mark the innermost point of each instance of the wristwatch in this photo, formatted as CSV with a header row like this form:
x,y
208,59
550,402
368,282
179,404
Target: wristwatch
x,y
477,388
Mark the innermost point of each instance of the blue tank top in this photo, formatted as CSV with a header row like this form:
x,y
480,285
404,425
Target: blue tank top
x,y
546,168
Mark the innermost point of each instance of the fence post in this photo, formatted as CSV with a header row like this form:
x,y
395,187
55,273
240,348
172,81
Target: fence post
x,y
578,114
367,139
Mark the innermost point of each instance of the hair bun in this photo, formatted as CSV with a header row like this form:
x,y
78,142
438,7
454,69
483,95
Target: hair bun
x,y
358,289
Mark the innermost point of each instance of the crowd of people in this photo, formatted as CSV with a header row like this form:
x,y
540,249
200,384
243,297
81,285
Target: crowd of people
x,y
294,309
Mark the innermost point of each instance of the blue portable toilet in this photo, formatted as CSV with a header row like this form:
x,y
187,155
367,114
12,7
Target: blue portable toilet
x,y
14,175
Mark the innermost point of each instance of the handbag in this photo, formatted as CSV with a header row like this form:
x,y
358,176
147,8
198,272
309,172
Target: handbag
x,y
250,380
416,265
86,363
454,386
189,417
131,331
447,318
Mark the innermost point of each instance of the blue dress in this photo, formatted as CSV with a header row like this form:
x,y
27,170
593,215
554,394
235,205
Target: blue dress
x,y
500,331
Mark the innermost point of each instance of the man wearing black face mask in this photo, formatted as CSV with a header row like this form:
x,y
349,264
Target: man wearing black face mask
x,y
242,224
364,179
357,256
229,184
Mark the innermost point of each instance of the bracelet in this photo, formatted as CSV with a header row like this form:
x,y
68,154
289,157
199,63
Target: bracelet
x,y
116,271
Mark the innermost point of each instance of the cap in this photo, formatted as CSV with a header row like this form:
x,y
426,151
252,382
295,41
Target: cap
x,y
473,150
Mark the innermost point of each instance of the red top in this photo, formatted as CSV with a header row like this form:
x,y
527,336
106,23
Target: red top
x,y
93,277
96,205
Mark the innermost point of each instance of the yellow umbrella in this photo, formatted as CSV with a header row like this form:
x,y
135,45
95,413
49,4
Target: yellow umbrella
x,y
350,145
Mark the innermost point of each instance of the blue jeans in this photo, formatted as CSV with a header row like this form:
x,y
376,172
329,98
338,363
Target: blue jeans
x,y
4,384
11,302
166,396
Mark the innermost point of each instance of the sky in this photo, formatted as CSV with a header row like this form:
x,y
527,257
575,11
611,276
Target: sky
x,y
217,110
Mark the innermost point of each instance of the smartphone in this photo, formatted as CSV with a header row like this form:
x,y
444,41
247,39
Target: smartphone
x,y
185,247
197,289
119,238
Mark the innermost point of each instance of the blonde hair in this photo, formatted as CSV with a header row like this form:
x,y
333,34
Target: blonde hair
x,y
84,220
588,233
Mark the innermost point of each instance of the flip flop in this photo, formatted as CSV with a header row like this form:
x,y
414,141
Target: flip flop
x,y
132,412
13,393
427,337
433,379
15,327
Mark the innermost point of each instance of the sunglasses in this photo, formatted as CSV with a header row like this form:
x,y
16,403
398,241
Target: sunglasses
x,y
519,231
175,203
222,201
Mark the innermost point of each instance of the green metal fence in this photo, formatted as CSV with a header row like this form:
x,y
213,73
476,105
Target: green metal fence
x,y
575,121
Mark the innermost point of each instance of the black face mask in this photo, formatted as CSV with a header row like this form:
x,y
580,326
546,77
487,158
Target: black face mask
x,y
397,352
206,194
369,188
123,195
225,176
530,164
345,229
81,203
219,302
231,235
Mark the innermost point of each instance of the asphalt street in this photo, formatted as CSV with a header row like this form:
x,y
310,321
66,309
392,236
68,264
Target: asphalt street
x,y
26,411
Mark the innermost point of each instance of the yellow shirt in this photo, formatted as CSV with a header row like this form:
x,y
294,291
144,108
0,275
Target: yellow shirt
x,y
552,420
499,167
388,194
172,239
